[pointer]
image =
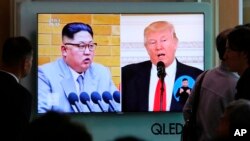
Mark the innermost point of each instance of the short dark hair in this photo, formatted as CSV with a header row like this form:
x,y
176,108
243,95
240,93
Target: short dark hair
x,y
247,25
72,28
54,125
128,138
238,113
184,79
15,49
239,40
221,41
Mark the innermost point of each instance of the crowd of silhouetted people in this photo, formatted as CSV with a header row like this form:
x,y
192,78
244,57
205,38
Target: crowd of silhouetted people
x,y
224,98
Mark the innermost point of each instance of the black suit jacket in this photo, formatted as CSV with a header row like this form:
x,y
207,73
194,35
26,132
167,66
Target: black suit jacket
x,y
135,85
243,86
16,102
184,95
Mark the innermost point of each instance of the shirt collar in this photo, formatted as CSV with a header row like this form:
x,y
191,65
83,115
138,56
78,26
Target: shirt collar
x,y
170,70
75,74
11,75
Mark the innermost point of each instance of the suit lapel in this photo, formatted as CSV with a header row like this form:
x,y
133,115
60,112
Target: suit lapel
x,y
67,79
90,80
142,85
179,70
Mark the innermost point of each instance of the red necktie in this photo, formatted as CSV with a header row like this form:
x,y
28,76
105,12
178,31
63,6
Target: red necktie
x,y
158,99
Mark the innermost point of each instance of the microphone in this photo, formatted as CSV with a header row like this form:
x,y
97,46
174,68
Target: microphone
x,y
116,96
106,96
161,73
73,100
96,98
85,99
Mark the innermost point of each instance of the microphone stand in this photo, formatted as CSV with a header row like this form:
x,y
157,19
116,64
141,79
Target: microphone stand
x,y
161,74
161,94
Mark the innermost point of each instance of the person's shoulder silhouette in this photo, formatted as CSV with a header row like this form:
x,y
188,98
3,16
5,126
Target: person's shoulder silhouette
x,y
16,100
128,138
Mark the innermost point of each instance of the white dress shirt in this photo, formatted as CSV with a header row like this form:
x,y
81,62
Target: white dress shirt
x,y
169,82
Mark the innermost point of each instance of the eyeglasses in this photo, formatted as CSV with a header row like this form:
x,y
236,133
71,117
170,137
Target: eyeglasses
x,y
82,46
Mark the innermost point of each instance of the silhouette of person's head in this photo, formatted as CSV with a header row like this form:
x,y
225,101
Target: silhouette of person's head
x,y
56,126
128,138
236,117
17,56
221,41
237,55
247,25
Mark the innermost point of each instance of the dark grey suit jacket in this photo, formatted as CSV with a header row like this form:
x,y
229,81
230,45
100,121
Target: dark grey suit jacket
x,y
16,102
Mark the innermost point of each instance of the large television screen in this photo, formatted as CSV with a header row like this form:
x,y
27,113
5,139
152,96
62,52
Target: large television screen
x,y
113,71
118,31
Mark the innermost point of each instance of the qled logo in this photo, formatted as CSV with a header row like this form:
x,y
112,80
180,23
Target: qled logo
x,y
166,128
240,132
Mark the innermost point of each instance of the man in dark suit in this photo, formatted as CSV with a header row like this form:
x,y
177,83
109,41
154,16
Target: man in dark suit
x,y
183,92
16,101
139,81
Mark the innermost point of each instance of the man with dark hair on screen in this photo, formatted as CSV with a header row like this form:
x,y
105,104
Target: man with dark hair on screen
x,y
183,92
69,83
139,81
16,100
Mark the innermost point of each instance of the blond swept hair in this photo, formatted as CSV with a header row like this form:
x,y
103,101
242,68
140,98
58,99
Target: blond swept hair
x,y
159,26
